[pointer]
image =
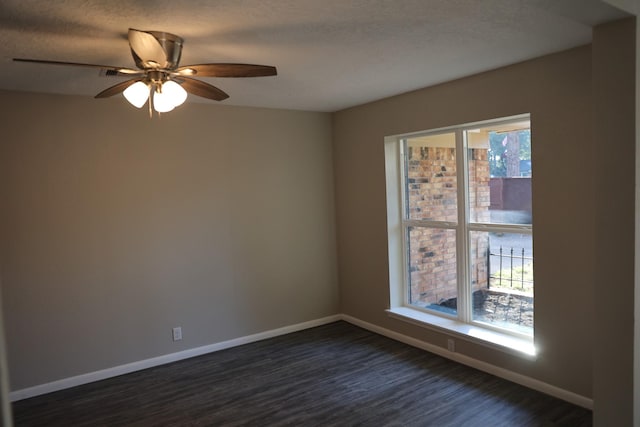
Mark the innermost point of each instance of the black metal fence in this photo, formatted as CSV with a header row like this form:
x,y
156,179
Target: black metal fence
x,y
503,268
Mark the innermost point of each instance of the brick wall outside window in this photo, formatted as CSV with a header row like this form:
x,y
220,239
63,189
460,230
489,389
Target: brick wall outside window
x,y
432,195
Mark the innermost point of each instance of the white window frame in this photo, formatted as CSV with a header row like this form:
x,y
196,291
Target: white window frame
x,y
462,325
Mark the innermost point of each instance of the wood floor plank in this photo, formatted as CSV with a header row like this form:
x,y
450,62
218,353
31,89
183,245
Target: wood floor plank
x,y
332,375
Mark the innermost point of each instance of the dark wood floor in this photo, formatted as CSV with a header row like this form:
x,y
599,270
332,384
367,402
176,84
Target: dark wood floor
x,y
332,375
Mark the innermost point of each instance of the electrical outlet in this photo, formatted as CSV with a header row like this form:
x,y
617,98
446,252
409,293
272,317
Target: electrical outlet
x,y
451,344
177,333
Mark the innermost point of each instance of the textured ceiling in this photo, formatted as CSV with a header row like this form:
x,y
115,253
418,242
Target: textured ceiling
x,y
330,54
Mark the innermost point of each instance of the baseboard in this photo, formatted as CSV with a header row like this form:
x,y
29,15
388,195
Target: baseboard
x,y
523,380
529,382
161,360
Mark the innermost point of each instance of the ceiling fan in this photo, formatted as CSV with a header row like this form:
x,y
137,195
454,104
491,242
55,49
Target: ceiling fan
x,y
159,77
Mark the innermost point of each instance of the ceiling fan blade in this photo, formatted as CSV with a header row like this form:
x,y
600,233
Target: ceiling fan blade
x,y
202,89
147,50
116,89
227,70
117,70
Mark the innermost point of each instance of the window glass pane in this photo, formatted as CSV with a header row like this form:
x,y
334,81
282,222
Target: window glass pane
x,y
431,178
500,173
432,269
502,279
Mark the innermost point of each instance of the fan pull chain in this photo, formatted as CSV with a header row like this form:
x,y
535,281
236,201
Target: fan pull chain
x,y
151,91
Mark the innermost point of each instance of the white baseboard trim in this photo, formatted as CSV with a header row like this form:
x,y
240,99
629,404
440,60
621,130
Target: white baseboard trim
x,y
523,380
529,382
161,360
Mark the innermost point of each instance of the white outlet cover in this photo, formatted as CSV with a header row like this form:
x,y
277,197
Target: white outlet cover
x,y
451,344
177,334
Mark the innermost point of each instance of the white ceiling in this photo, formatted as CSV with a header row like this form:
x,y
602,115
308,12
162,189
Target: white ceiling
x,y
330,54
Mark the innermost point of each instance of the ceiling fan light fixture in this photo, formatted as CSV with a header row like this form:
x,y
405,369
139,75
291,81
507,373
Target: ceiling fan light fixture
x,y
162,102
176,93
137,94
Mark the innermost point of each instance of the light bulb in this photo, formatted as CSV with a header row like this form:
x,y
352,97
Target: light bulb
x,y
137,94
162,102
175,92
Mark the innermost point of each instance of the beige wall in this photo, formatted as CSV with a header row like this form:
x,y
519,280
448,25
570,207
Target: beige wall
x,y
614,130
115,228
556,91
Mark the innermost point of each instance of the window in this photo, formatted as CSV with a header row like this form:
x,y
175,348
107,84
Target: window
x,y
460,229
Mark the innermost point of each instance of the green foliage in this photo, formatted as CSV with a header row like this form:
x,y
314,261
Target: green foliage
x,y
525,144
498,148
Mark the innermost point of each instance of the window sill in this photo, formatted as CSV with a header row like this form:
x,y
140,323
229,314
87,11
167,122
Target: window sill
x,y
522,347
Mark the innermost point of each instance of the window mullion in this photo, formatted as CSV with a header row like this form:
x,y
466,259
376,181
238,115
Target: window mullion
x,y
464,287
502,228
404,215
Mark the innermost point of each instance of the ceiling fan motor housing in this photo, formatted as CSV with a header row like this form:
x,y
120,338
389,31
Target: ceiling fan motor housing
x,y
172,47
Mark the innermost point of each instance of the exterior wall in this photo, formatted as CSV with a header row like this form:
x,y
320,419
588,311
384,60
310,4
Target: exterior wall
x,y
479,190
432,183
432,194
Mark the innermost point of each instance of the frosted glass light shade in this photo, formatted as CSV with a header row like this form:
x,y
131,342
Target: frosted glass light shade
x,y
137,94
162,102
175,92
